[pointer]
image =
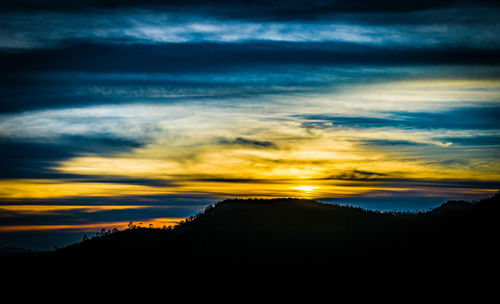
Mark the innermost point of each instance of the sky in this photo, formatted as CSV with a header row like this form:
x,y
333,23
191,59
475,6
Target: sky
x,y
148,111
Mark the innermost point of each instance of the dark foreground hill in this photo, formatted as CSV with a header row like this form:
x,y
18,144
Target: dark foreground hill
x,y
293,239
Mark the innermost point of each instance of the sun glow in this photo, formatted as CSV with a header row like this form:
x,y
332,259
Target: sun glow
x,y
306,188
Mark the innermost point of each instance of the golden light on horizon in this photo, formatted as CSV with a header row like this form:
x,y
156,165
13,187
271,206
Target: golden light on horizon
x,y
93,227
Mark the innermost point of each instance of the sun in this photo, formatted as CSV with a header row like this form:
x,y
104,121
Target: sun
x,y
305,188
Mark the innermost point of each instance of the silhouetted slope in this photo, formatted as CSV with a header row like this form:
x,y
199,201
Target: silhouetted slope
x,y
290,238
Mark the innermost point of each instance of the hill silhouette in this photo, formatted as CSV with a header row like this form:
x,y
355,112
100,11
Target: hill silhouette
x,y
296,239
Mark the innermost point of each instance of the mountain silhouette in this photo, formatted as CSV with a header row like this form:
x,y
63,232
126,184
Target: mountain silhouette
x,y
296,239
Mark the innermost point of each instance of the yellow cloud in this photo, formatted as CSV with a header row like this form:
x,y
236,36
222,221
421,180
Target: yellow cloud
x,y
44,189
185,149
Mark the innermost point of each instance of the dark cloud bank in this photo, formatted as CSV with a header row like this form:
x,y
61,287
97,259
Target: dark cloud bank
x,y
261,9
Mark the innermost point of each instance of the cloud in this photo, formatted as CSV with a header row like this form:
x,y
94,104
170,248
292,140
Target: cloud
x,y
36,159
246,142
93,74
226,6
360,175
28,87
479,140
185,57
395,178
463,118
438,27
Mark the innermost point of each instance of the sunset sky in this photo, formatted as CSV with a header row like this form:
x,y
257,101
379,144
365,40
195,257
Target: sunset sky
x,y
135,110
